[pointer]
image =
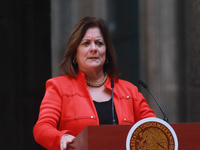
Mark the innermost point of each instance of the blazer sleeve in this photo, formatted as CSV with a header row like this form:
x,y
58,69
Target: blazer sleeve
x,y
45,130
142,109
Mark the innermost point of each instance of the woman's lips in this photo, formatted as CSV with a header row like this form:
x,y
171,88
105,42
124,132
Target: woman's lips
x,y
93,57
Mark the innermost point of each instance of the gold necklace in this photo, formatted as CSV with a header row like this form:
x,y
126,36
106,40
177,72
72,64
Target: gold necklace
x,y
99,83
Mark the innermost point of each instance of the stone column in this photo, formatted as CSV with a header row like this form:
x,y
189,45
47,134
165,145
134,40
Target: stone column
x,y
161,62
192,44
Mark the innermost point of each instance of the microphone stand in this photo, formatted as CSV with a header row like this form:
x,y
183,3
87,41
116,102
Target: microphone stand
x,y
146,87
113,112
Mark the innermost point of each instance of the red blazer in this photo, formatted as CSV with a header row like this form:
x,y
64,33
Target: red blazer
x,y
67,107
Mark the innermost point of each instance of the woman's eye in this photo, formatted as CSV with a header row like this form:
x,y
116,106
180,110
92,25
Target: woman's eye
x,y
86,43
99,43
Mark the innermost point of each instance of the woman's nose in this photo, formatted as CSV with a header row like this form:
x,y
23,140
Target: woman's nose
x,y
93,47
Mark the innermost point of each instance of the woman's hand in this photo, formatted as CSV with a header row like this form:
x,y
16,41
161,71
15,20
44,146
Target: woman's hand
x,y
65,140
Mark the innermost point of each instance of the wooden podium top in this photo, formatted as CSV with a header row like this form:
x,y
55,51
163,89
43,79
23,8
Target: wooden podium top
x,y
102,137
109,137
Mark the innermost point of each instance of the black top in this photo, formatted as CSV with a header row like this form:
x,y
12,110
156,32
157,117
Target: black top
x,y
104,111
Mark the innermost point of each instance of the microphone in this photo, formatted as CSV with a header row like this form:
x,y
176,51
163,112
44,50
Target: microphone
x,y
113,114
146,87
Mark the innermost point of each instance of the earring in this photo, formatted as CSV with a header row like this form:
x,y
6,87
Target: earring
x,y
74,61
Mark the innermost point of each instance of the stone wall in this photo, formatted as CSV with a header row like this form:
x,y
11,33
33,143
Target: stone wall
x,y
192,36
170,56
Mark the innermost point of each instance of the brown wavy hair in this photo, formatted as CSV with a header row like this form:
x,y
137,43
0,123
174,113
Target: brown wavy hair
x,y
67,66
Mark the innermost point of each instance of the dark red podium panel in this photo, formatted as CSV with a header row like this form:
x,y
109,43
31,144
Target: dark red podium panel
x,y
188,135
113,137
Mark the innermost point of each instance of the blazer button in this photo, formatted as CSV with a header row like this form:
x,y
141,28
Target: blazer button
x,y
76,117
73,93
127,96
125,119
92,117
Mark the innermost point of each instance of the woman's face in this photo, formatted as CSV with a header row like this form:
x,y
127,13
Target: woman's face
x,y
91,52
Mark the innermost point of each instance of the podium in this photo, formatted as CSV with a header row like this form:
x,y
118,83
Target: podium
x,y
113,137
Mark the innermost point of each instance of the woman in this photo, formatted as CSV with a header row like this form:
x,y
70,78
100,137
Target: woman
x,y
82,95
